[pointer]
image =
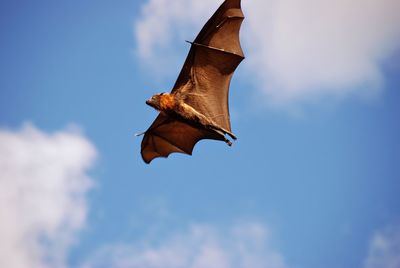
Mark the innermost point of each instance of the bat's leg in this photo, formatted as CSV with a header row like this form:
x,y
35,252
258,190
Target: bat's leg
x,y
224,130
190,113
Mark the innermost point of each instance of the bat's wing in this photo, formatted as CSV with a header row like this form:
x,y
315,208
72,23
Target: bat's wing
x,y
213,57
167,135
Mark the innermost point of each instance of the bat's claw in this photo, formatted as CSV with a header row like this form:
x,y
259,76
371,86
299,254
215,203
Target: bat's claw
x,y
140,134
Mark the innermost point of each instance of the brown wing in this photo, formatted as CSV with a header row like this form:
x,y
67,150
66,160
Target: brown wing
x,y
213,57
167,135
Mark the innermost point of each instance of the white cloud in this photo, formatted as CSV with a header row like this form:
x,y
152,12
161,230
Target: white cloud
x,y
202,246
295,49
384,249
43,183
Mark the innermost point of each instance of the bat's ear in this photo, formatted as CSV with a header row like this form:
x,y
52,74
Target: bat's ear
x,y
162,93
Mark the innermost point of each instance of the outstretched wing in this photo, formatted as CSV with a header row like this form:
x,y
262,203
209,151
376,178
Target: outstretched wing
x,y
167,135
213,57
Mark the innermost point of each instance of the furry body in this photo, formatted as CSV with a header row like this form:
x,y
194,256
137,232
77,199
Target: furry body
x,y
174,106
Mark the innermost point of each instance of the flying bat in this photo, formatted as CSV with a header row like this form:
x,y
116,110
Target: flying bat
x,y
197,107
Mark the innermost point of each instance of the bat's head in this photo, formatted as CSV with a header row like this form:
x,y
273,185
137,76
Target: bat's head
x,y
154,101
161,102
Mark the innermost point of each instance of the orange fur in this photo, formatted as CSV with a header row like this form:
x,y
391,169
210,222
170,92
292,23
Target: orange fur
x,y
167,102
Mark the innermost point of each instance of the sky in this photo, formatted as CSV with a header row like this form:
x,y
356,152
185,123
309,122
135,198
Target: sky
x,y
312,181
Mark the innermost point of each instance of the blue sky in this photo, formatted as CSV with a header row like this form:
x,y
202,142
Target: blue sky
x,y
312,181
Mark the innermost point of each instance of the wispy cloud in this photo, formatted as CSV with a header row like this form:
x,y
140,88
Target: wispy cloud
x,y
384,249
296,50
240,246
43,186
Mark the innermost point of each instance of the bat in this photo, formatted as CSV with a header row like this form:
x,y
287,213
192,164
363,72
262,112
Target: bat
x,y
197,107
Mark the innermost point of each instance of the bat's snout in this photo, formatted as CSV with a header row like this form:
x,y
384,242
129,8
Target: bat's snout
x,y
151,103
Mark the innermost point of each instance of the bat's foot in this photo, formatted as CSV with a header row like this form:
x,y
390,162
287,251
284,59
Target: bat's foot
x,y
222,133
226,132
228,142
231,135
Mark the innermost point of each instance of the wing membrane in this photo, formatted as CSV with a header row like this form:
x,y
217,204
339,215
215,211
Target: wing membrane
x,y
167,135
213,57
